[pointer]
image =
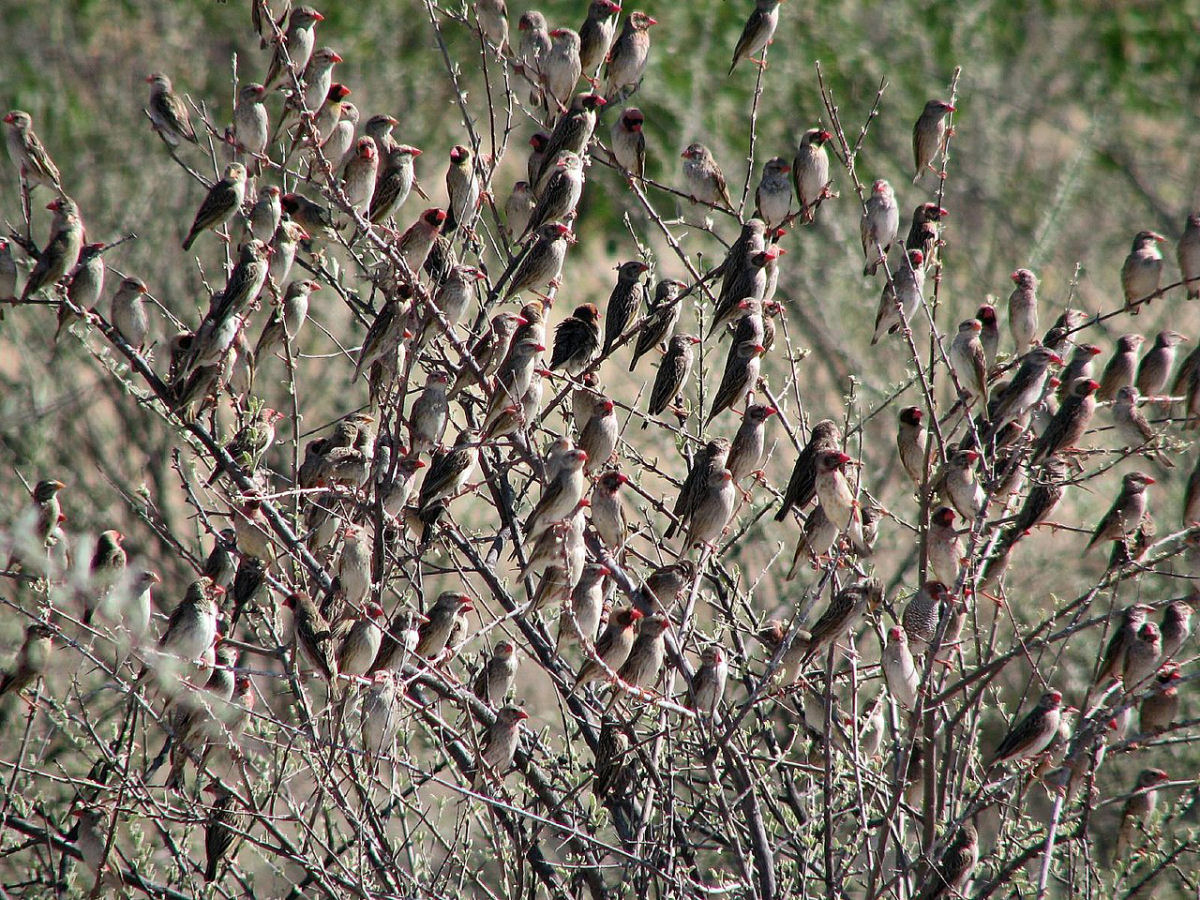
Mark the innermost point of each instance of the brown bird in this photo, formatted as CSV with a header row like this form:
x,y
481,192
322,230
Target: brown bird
x,y
925,232
497,674
1070,422
221,828
929,135
749,444
168,113
910,443
879,226
629,55
1176,625
1154,370
1112,664
499,745
223,201
703,176
1032,734
645,661
1161,706
612,648
708,684
757,34
1188,255
1141,657
61,251
29,154
833,490
1126,513
810,172
627,140
953,871
742,366
923,615
1121,368
899,669
31,660
672,373
1141,273
447,613
713,506
709,459
801,486
1138,809
314,636
843,616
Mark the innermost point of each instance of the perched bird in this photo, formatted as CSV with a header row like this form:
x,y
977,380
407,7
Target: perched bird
x,y
925,232
572,131
542,262
1120,368
286,318
599,436
1069,423
923,616
596,34
1176,625
743,287
463,188
393,183
489,351
709,460
1138,810
1141,273
824,437
1080,365
576,340
952,874
514,377
447,615
1188,255
608,510
1023,310
380,714
540,141
1126,513
128,314
757,33
384,335
492,16
221,828
1112,664
429,415
742,366
624,302
810,172
703,176
518,209
645,661
944,546
929,135
28,153
418,239
61,252
708,684
843,616
192,626
222,202
168,113
1032,734
901,296
746,451
774,194
1142,657
1025,389
713,506
358,177
448,474
251,127
561,67
358,639
580,617
560,496
665,586
969,362
833,490
8,275
611,648
629,55
1154,370
84,286
1160,706
532,51
989,334
958,485
314,636
560,196
264,218
105,571
296,46
627,140
497,674
660,322
879,226
899,670
1133,427
910,443
499,745
31,660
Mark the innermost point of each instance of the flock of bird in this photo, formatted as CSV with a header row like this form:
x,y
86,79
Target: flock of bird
x,y
986,473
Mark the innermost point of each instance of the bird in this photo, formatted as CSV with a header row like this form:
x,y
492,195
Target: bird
x,y
952,874
824,437
629,55
923,616
29,154
641,668
832,489
560,496
1023,310
1176,625
713,506
1142,657
418,239
943,546
429,415
31,660
1133,427
810,172
659,325
266,214
293,52
542,262
61,251
8,275
929,135
221,828
1112,663
597,33
572,131
958,485
497,674
576,340
1141,273
1187,253
969,362
599,436
499,745
1070,422
925,232
489,351
192,626
901,296
773,198
1121,367
251,130
611,649
910,442
105,571
843,616
1032,734
1160,706
222,202
463,188
624,302
518,209
879,226
1126,513
532,51
380,714
313,633
742,366
749,443
358,177
757,34
393,183
128,314
1025,389
561,67
448,474
899,670
580,617
710,459
708,684
286,318
627,141
703,176
358,639
608,510
560,196
168,113
989,334
1138,810
445,616
1154,370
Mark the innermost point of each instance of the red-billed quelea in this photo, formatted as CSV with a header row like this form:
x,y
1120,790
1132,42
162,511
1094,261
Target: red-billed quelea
x,y
1142,657
358,179
296,47
61,252
560,196
708,684
597,33
286,320
744,286
624,302
629,55
1138,810
497,674
222,202
31,660
518,209
463,189
417,240
264,218
969,362
608,510
925,232
749,443
774,194
672,373
489,351
358,639
1154,370
742,367
929,136
879,225
580,617
192,626
168,112
1161,705
944,546
1032,734
492,16
1069,423
704,181
709,459
429,415
380,714
646,656
810,172
1126,513
899,669
251,126
354,566
757,33
128,313
1176,625
833,489
958,485
1121,367
1112,664
572,132
513,378
661,319
901,296
611,649
577,340
1141,273
561,68
953,871
1025,389
1023,310
542,263
713,506
8,275
29,154
843,617
560,496
923,615
447,613
449,473
532,51
910,443
1187,253
989,334
824,437
628,142
499,745
1134,428
393,183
